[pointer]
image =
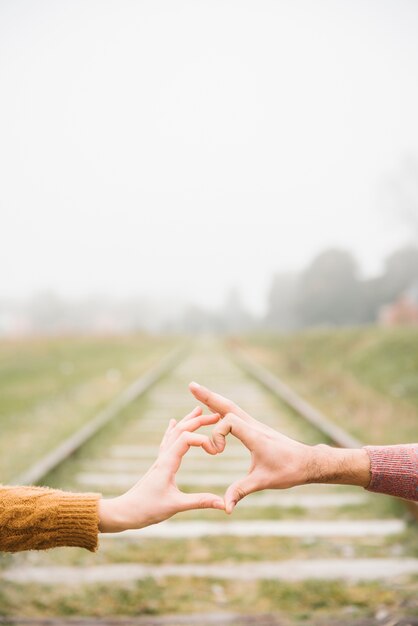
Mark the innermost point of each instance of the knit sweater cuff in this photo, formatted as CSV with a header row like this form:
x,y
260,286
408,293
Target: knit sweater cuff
x,y
76,522
394,470
36,518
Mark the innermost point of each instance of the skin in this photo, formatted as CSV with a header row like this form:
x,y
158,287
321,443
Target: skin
x,y
278,462
157,488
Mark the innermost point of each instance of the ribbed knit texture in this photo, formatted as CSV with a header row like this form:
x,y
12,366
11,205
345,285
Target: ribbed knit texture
x,y
36,518
394,470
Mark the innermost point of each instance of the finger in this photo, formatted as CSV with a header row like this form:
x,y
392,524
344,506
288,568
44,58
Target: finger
x,y
193,424
237,427
216,402
175,453
188,439
196,411
190,501
189,426
238,490
171,424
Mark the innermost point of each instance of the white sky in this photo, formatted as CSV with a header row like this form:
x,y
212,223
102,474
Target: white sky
x,y
176,148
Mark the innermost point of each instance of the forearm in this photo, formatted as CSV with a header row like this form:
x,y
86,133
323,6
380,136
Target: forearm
x,y
341,466
392,470
36,518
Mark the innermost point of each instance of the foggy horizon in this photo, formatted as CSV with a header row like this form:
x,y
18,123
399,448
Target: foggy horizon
x,y
179,304
177,151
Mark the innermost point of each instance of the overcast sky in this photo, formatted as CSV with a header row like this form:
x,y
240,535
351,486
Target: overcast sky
x,y
177,148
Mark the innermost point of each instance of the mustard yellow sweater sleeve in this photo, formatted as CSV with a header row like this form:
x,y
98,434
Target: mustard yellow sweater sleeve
x,y
36,518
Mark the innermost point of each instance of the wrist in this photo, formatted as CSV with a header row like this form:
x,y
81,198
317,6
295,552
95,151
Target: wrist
x,y
341,466
111,518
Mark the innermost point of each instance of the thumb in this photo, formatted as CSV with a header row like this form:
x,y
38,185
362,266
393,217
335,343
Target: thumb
x,y
190,501
238,490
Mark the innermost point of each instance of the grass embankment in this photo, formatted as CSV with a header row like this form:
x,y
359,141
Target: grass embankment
x,y
365,379
51,386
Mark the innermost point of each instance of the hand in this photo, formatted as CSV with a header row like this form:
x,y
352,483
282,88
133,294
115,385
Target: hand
x,y
156,497
278,462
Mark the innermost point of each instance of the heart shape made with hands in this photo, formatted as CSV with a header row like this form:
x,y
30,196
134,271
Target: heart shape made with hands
x,y
277,461
237,422
214,443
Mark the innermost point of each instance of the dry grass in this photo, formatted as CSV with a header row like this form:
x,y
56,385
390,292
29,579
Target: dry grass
x,y
50,387
364,379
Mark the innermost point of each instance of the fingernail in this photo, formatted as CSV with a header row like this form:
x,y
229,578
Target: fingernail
x,y
194,384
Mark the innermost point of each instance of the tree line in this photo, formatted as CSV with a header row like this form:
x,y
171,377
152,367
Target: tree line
x,y
331,291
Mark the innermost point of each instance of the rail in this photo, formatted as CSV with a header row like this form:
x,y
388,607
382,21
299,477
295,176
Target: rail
x,y
291,398
69,446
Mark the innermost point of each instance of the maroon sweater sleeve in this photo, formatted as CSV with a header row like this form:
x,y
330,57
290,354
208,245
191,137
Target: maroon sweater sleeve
x,y
394,470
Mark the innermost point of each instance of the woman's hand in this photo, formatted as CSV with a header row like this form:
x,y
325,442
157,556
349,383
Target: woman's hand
x,y
156,497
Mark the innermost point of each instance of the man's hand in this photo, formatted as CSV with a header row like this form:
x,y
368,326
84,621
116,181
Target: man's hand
x,y
156,497
278,462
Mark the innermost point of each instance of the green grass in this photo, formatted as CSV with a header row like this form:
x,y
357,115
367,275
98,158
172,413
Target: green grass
x,y
50,387
291,601
308,362
366,379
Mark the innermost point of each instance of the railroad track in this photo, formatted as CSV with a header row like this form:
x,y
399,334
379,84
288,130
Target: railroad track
x,y
342,537
336,435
